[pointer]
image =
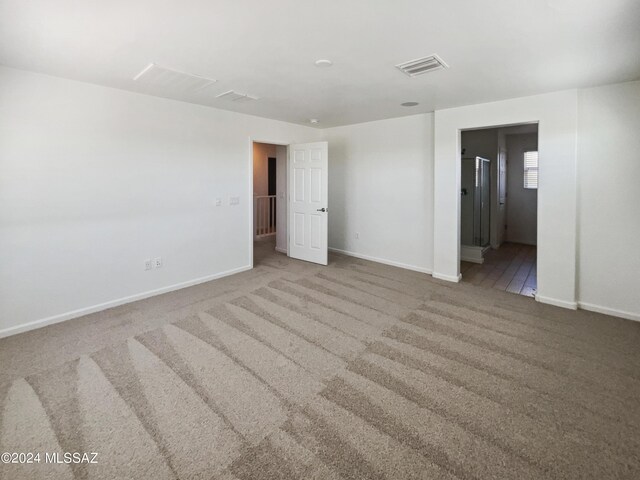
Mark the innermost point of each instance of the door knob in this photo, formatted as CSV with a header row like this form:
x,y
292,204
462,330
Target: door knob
x,y
322,210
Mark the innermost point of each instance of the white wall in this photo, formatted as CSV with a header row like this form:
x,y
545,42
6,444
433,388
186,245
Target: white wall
x,y
380,186
501,207
94,180
557,117
522,203
609,199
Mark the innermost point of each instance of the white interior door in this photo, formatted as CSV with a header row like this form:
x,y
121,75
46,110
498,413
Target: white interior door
x,y
308,203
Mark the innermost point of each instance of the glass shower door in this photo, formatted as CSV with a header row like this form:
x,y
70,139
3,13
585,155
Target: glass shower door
x,y
481,202
476,202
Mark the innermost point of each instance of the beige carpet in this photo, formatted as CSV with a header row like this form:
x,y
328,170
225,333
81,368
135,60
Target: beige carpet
x,y
356,371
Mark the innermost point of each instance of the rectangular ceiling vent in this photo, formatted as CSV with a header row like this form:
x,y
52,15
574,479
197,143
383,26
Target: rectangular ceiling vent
x,y
236,96
422,65
159,77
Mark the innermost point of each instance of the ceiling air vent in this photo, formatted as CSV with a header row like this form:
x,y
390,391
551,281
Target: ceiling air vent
x,y
236,96
422,65
159,77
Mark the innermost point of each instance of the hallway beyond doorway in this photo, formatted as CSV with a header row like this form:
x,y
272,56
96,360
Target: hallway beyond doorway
x,y
510,268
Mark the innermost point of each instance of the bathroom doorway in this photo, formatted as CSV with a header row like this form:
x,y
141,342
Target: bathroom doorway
x,y
498,217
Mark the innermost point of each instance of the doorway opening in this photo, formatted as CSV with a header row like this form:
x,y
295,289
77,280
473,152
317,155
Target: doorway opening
x,y
498,208
292,216
269,200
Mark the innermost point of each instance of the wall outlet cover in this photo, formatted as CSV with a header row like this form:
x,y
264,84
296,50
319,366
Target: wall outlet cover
x,y
158,262
147,264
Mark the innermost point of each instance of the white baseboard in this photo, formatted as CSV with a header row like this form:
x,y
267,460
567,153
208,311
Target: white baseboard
x,y
591,307
448,278
281,250
464,258
473,254
557,302
25,327
381,260
609,311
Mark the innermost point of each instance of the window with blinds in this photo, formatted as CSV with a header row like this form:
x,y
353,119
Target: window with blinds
x,y
531,170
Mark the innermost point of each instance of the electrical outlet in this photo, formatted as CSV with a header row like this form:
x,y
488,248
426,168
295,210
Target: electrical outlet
x,y
234,200
158,262
357,236
218,202
147,264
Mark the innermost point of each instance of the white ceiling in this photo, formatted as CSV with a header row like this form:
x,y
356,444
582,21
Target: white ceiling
x,y
496,49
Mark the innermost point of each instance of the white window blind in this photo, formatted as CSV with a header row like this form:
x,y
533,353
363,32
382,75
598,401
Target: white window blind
x,y
531,170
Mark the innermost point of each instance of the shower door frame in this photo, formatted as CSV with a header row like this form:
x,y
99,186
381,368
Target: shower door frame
x,y
479,166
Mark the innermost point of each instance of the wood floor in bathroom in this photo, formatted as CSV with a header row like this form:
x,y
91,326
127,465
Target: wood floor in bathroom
x,y
511,268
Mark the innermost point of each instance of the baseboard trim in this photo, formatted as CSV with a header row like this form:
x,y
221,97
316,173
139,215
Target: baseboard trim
x,y
464,258
472,253
381,260
25,327
447,278
556,302
609,311
281,250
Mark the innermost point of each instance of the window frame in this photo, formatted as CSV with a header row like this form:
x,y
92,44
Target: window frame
x,y
526,169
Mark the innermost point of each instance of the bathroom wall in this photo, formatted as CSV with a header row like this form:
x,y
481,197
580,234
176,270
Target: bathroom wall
x,y
522,203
